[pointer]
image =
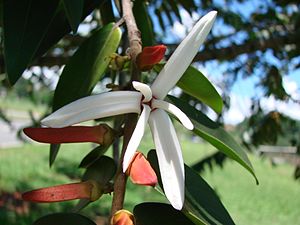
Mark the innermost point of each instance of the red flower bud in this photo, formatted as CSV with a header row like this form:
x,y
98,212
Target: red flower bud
x,y
150,56
122,217
140,171
71,134
83,190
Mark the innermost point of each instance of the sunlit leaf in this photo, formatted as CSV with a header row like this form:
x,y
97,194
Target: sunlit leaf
x,y
64,218
202,205
151,213
214,134
73,9
86,66
194,83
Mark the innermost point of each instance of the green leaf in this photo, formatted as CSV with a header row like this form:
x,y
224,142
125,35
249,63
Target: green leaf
x,y
202,205
31,27
102,171
73,9
54,148
214,134
143,22
25,24
60,26
64,218
194,83
92,156
151,213
87,66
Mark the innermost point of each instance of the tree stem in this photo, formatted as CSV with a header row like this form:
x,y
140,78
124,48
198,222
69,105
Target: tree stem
x,y
131,119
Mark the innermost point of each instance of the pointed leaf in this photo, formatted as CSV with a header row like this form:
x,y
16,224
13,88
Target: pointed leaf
x,y
54,148
152,213
194,83
73,9
93,156
64,218
86,66
214,134
101,171
202,205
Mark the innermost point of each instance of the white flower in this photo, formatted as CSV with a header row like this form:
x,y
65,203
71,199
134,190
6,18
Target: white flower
x,y
150,102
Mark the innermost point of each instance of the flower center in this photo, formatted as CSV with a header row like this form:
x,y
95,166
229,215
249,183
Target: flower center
x,y
146,92
153,103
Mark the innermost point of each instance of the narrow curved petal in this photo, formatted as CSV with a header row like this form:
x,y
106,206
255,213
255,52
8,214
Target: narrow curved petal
x,y
182,57
136,137
144,89
169,157
93,107
175,111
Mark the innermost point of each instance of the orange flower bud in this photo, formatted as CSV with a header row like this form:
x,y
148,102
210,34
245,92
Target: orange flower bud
x,y
140,171
122,217
73,134
150,56
83,190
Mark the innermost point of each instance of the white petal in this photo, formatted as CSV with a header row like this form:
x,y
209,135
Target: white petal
x,y
93,107
144,89
169,157
175,111
182,57
136,137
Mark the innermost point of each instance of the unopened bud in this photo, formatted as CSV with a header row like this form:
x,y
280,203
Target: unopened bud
x,y
83,190
122,217
117,62
101,134
150,56
140,171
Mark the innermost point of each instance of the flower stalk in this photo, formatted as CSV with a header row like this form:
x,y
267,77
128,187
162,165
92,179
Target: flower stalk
x,y
134,37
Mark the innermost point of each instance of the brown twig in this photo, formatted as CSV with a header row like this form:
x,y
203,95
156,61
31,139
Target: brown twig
x,y
135,46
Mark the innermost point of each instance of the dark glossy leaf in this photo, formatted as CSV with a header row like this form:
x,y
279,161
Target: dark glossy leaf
x,y
73,9
214,134
194,83
102,171
54,148
202,205
151,213
86,66
64,219
93,156
25,24
143,22
106,12
60,26
31,27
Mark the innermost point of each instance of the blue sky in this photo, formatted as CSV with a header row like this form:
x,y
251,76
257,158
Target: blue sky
x,y
243,89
